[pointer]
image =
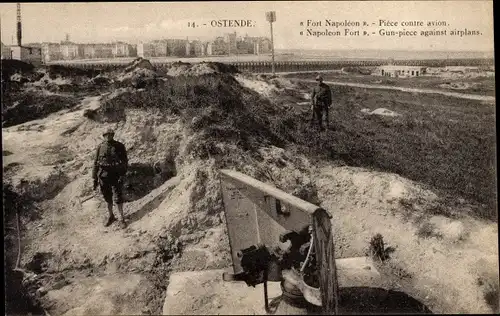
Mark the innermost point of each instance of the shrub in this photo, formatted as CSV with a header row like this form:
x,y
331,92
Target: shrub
x,y
377,249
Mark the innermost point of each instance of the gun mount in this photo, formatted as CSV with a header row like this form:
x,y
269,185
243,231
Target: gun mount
x,y
275,236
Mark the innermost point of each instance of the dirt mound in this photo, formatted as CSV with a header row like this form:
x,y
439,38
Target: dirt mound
x,y
152,150
198,69
380,188
12,66
65,79
178,136
139,63
138,78
222,68
101,80
46,78
358,70
28,106
459,85
413,220
187,129
55,71
140,73
269,86
260,86
57,79
214,106
62,79
15,73
17,77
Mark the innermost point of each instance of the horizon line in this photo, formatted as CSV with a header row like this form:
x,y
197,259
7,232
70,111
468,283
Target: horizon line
x,y
294,48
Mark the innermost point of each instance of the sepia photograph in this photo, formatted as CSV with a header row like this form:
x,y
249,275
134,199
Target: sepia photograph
x,y
249,158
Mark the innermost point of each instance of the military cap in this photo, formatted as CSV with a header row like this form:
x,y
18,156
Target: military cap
x,y
109,131
319,78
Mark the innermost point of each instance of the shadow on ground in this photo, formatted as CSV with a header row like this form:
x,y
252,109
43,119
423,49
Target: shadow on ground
x,y
148,207
367,300
142,178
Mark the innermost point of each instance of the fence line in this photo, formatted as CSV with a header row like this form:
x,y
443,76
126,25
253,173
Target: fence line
x,y
290,66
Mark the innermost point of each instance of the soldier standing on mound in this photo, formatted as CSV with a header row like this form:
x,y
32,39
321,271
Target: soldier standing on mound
x,y
321,99
110,167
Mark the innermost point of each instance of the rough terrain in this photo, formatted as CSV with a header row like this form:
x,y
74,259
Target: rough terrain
x,y
446,80
180,126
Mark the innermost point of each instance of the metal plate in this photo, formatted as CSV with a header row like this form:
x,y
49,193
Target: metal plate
x,y
258,213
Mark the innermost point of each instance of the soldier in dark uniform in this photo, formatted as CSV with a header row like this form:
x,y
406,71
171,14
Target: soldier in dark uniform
x,y
110,167
321,99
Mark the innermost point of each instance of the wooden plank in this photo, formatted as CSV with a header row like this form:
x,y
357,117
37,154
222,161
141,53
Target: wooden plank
x,y
325,258
270,190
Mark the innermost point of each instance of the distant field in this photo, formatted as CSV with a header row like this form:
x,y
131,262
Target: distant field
x,y
480,85
445,142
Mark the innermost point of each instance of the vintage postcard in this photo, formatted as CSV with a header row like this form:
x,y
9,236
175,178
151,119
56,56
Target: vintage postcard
x,y
249,157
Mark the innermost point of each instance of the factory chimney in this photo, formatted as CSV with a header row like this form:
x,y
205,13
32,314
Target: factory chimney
x,y
19,28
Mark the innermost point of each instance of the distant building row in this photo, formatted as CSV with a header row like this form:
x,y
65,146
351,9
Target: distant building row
x,y
400,71
227,45
230,44
68,50
416,71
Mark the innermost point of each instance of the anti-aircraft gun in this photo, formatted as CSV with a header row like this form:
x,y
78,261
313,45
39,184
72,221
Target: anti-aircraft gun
x,y
275,236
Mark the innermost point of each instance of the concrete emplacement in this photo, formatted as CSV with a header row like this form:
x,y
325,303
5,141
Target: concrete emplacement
x,y
204,292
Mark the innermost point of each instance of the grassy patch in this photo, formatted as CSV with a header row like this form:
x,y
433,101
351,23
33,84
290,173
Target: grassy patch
x,y
491,291
399,271
428,230
215,106
18,108
65,71
480,85
377,249
491,296
225,121
444,142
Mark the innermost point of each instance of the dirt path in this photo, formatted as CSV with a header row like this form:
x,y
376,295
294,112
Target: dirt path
x,y
412,90
82,266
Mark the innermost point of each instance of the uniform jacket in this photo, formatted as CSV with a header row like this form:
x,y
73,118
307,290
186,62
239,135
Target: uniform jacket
x,y
110,154
322,94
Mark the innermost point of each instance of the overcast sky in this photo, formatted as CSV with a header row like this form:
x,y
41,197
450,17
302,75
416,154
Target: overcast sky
x,y
133,22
